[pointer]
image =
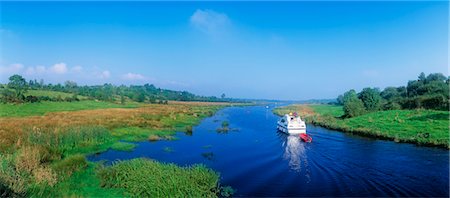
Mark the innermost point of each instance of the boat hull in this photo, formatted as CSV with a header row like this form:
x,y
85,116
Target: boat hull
x,y
291,130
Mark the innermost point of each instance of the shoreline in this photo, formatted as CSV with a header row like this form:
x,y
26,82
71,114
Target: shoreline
x,y
333,123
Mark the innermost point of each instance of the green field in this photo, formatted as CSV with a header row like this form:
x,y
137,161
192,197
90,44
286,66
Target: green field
x,y
52,94
40,108
333,110
423,127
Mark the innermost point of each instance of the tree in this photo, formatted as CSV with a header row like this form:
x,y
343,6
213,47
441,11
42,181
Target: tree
x,y
340,100
390,93
19,84
222,96
349,95
122,99
371,98
353,107
70,85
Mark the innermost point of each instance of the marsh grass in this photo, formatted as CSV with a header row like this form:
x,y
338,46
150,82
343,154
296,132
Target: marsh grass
x,y
123,146
45,155
147,178
85,183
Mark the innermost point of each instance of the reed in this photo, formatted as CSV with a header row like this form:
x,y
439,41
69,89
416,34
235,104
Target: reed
x,y
123,146
147,178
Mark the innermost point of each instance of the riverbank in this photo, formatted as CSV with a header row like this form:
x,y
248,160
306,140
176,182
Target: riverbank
x,y
421,127
46,154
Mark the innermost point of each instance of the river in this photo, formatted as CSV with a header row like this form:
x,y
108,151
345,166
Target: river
x,y
256,160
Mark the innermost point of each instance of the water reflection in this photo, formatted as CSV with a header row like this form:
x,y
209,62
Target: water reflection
x,y
295,152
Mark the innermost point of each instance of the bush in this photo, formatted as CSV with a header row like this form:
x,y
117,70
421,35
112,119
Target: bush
x,y
392,106
32,99
354,107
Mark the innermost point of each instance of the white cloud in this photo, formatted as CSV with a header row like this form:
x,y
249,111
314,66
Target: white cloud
x,y
59,68
104,74
77,69
209,21
132,76
40,69
15,68
30,71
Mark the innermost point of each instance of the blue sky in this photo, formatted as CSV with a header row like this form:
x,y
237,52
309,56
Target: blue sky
x,y
284,50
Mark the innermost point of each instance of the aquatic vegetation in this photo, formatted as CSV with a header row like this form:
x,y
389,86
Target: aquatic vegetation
x,y
147,178
226,191
189,130
208,155
224,128
168,149
225,124
123,146
154,138
422,127
135,134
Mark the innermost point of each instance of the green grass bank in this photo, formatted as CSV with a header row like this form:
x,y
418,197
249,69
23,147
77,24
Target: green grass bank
x,y
421,127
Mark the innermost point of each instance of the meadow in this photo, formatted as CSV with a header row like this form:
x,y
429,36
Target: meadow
x,y
43,148
52,94
41,108
419,126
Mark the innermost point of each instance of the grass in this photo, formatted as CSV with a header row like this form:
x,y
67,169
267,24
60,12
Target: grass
x,y
52,94
136,134
45,155
332,110
85,183
422,127
123,146
147,178
42,108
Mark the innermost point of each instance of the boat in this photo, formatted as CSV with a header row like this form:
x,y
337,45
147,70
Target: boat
x,y
291,124
305,137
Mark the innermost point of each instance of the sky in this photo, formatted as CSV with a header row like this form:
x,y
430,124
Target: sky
x,y
257,50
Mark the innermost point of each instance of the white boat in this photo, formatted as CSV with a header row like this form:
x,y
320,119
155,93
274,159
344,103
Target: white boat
x,y
291,124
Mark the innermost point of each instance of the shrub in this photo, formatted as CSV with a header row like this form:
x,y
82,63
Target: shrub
x,y
354,107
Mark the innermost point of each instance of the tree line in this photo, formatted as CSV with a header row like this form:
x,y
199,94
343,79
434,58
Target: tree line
x,y
15,92
428,92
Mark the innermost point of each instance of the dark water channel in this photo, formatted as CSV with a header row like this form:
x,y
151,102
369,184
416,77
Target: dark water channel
x,y
258,161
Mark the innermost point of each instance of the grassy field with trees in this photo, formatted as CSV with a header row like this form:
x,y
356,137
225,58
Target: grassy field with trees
x,y
417,113
47,132
18,90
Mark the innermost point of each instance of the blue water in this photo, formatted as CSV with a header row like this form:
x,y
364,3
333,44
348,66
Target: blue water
x,y
258,161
